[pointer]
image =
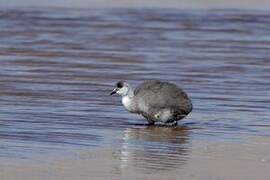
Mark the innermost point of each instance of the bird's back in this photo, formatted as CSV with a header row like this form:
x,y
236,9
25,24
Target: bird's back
x,y
153,95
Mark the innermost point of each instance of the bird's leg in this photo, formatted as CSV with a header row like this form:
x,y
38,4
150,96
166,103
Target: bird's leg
x,y
150,122
174,123
170,124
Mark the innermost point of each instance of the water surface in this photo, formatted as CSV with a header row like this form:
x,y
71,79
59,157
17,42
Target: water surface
x,y
58,67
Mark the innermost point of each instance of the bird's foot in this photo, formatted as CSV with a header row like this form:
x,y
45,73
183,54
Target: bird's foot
x,y
150,122
170,124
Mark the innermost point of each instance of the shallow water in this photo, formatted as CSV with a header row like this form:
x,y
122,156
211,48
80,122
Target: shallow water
x,y
58,67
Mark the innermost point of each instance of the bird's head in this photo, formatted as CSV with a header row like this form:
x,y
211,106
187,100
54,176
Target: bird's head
x,y
122,88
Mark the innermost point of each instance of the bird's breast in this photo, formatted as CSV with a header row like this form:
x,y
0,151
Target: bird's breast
x,y
128,103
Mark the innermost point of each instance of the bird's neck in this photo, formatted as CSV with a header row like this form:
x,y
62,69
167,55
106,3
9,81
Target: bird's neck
x,y
128,101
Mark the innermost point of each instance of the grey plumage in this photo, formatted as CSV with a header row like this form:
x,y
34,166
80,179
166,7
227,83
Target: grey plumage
x,y
157,101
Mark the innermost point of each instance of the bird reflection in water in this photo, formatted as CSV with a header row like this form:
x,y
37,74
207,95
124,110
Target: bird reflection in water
x,y
154,148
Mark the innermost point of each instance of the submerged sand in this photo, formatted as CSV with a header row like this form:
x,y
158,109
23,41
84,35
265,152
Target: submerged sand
x,y
205,160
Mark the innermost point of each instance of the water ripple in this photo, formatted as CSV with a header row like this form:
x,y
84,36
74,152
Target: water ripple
x,y
58,67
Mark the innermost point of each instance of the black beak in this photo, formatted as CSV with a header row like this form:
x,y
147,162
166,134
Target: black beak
x,y
113,92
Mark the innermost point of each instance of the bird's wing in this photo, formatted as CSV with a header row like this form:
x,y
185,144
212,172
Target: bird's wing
x,y
160,95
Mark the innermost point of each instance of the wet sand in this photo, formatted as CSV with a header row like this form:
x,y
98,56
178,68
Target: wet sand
x,y
209,160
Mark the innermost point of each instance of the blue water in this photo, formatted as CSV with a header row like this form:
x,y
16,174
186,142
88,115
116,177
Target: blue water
x,y
58,67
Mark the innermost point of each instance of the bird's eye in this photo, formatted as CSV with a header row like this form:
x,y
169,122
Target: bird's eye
x,y
120,84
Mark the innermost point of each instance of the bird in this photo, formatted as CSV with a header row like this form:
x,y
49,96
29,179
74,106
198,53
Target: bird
x,y
157,101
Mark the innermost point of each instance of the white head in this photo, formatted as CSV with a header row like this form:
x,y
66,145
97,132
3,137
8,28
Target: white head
x,y
122,88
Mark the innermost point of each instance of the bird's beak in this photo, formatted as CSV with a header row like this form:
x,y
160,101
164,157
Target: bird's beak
x,y
114,91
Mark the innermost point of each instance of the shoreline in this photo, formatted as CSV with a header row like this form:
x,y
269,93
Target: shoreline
x,y
206,160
